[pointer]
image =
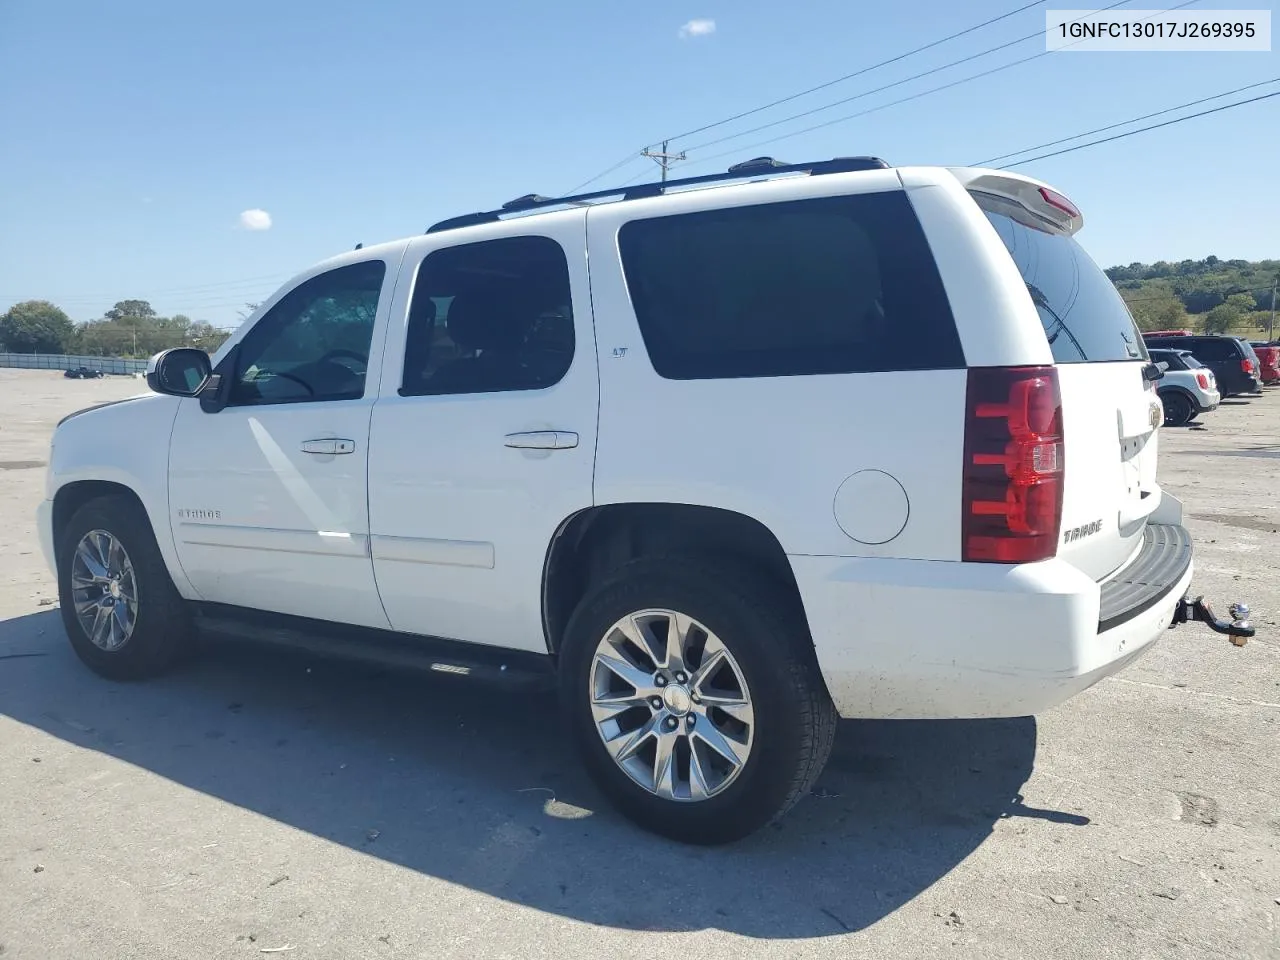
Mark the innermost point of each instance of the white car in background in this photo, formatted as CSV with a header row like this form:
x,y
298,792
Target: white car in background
x,y
730,456
1188,388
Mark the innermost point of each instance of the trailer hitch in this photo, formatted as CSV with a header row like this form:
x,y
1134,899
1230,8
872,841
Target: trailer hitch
x,y
1238,629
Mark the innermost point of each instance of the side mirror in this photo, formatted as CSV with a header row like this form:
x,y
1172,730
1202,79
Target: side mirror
x,y
181,372
1164,366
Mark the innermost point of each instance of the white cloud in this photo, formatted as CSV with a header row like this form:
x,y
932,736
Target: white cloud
x,y
255,219
697,28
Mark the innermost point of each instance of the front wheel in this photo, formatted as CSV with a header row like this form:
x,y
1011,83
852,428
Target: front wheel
x,y
695,698
121,611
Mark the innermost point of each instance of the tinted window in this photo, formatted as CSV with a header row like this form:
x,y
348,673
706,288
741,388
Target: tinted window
x,y
1215,348
489,317
1174,360
1083,315
1190,361
314,343
835,285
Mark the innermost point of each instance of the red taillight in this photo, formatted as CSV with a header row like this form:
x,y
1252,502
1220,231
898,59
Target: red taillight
x,y
1013,454
1203,381
1247,366
1055,199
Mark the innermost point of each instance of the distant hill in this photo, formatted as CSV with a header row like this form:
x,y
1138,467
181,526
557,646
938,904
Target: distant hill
x,y
1209,295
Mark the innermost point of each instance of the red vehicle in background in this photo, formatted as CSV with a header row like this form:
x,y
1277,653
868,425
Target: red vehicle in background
x,y
1268,361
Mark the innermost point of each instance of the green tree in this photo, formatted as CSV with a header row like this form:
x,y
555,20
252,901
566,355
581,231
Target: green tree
x,y
207,337
130,310
1157,312
36,326
1221,318
1242,302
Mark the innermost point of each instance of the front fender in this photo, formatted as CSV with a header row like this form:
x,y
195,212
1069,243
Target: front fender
x,y
127,444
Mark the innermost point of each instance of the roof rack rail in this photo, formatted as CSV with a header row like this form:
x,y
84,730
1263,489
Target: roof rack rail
x,y
759,166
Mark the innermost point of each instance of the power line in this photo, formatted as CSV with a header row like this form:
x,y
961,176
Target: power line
x,y
907,99
204,289
634,155
888,86
1124,123
856,73
630,157
1154,126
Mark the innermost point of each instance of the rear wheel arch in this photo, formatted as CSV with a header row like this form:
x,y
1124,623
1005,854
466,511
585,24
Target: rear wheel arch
x,y
599,540
1181,391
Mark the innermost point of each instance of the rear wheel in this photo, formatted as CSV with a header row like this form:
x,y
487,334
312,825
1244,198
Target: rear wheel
x,y
121,611
695,698
1178,409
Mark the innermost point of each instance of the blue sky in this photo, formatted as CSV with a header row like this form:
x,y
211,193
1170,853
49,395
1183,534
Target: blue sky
x,y
134,134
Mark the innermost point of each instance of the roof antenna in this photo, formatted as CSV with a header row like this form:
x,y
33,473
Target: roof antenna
x,y
359,245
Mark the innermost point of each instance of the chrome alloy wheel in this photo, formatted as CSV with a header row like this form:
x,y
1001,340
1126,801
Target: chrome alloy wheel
x,y
671,705
104,590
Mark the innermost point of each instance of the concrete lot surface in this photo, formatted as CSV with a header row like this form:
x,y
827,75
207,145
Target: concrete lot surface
x,y
259,800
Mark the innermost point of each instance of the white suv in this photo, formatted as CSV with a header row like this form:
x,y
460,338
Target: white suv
x,y
733,456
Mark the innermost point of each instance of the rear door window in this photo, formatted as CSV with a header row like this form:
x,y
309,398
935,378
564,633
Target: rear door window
x,y
1084,316
826,286
1214,348
490,317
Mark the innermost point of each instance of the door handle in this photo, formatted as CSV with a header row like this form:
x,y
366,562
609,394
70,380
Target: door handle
x,y
329,446
543,440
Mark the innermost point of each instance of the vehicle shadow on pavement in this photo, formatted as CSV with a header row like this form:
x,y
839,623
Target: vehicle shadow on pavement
x,y
479,786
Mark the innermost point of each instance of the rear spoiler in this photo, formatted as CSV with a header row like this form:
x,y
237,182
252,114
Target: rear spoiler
x,y
1036,197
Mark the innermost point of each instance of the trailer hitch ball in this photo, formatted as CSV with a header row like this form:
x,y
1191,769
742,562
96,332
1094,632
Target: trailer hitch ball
x,y
1240,623
1238,629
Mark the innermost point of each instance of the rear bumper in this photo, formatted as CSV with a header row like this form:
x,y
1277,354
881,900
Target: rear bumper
x,y
927,640
1207,402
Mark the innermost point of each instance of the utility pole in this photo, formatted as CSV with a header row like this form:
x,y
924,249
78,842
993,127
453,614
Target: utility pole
x,y
1271,324
663,159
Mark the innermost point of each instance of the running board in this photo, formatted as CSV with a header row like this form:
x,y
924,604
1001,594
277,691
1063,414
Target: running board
x,y
362,644
1238,629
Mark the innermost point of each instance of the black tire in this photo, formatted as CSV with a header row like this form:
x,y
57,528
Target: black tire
x,y
766,633
163,631
1178,409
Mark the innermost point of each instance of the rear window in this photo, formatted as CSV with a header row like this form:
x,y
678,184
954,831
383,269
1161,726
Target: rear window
x,y
825,286
1176,361
1084,316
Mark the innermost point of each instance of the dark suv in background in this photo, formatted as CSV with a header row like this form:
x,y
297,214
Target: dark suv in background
x,y
1232,360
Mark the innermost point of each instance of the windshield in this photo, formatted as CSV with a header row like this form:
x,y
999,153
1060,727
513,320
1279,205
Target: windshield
x,y
1084,317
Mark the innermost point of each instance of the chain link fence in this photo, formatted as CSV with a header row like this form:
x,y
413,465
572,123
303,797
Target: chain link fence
x,y
63,361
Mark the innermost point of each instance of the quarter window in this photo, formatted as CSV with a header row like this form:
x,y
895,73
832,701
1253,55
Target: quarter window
x,y
833,285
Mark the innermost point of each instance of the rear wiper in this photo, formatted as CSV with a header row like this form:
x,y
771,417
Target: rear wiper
x,y
1059,325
